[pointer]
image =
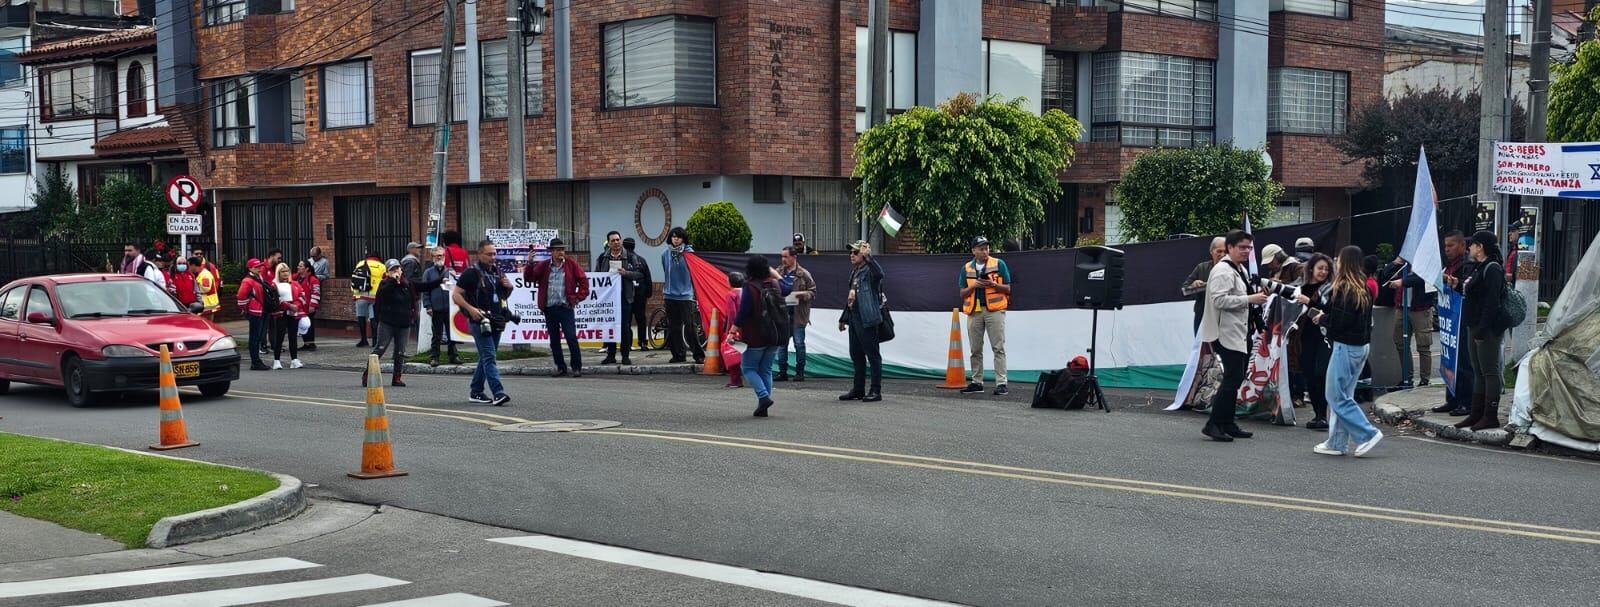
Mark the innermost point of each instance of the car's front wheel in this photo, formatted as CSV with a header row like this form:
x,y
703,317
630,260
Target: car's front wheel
x,y
215,389
75,383
5,386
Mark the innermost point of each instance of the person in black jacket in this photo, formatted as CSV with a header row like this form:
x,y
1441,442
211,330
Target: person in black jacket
x,y
1195,284
394,309
1314,349
1484,295
617,258
863,318
1413,318
1346,314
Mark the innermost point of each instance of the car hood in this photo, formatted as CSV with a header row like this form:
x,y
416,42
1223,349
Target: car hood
x,y
143,330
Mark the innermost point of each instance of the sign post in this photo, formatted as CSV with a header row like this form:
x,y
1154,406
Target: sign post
x,y
183,195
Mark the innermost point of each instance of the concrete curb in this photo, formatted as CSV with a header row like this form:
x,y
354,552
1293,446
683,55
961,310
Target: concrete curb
x,y
1394,415
507,369
271,507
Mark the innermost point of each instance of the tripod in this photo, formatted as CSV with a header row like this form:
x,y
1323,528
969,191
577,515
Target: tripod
x,y
1099,396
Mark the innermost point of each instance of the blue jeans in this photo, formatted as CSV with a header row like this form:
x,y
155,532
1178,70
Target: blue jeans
x,y
1347,422
487,370
799,340
757,367
561,321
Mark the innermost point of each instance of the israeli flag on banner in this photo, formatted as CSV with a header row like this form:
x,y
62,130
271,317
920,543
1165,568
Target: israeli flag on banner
x,y
1421,247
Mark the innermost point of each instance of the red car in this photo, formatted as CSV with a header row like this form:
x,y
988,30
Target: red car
x,y
93,333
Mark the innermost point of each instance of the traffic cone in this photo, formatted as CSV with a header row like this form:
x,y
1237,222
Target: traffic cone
x,y
174,435
955,371
713,365
377,457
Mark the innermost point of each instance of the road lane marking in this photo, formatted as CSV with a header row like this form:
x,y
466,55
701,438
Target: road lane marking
x,y
124,579
1134,488
397,409
262,594
456,599
771,582
1112,479
363,403
1568,460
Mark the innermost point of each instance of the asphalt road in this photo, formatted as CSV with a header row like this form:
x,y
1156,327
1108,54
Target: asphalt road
x,y
976,500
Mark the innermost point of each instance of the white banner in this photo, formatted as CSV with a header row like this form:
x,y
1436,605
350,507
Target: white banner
x,y
599,318
1564,170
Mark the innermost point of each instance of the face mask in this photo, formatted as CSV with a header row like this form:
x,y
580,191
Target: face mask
x,y
183,267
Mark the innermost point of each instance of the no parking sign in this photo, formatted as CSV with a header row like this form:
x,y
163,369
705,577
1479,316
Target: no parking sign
x,y
183,194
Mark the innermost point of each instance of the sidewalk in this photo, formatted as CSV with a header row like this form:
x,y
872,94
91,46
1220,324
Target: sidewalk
x,y
24,539
337,351
1413,406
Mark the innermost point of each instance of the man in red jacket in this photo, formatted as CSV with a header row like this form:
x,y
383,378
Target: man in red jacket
x,y
559,284
252,298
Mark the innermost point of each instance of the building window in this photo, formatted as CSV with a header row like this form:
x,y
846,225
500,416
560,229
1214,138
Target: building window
x,y
1014,70
1060,83
87,8
81,91
668,60
1323,8
297,107
280,107
825,211
496,67
768,188
901,94
218,12
1113,219
1296,206
381,223
252,227
137,103
1307,101
14,149
232,114
1142,99
10,69
347,94
562,206
425,86
1204,10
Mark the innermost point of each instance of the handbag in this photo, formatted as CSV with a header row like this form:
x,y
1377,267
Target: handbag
x,y
886,328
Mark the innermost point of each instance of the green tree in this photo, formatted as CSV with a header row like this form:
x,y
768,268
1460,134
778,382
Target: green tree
x,y
1202,190
55,203
719,227
1387,134
1575,94
965,169
124,210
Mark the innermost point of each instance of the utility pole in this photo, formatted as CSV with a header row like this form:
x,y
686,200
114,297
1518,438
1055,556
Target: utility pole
x,y
516,113
441,128
1491,106
878,58
1538,131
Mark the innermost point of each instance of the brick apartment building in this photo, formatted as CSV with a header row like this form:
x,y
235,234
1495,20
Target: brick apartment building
x,y
311,120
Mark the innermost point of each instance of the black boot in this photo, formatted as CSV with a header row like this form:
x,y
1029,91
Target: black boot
x,y
361,326
396,380
1477,412
800,372
781,376
1491,416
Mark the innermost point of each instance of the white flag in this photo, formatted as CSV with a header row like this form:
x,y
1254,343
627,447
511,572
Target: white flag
x,y
1421,246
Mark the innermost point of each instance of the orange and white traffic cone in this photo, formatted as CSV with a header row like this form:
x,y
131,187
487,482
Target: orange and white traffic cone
x,y
955,371
377,456
174,435
713,365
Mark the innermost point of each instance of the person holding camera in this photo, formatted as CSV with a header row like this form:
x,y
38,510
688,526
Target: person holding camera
x,y
985,284
479,293
1233,301
560,284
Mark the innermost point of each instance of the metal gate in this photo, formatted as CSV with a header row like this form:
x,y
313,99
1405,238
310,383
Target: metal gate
x,y
252,228
381,223
481,208
1569,225
826,213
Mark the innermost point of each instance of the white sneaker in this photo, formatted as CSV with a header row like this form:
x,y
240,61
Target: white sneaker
x,y
1324,449
277,364
296,364
1363,448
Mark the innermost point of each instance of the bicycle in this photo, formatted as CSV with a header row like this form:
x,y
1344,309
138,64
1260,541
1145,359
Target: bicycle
x,y
656,335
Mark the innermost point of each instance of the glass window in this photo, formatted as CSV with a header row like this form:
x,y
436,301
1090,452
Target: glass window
x,y
902,92
14,149
11,304
232,114
768,188
1192,9
1060,91
1012,70
425,86
10,69
297,107
1325,8
80,91
113,298
218,12
347,94
664,60
39,301
496,66
380,222
137,103
1148,100
88,8
1308,101
1295,207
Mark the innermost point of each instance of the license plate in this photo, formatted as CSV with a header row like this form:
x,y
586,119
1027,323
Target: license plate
x,y
185,370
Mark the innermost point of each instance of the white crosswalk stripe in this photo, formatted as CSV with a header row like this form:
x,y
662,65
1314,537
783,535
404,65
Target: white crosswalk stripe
x,y
457,599
251,595
123,579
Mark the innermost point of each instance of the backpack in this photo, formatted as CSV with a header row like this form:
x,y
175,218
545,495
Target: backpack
x,y
1069,389
361,278
774,318
269,298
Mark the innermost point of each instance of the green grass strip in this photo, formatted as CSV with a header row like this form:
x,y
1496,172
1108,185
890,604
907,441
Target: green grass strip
x,y
113,493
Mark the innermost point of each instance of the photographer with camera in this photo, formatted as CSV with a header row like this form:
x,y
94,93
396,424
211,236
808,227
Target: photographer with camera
x,y
1232,316
480,293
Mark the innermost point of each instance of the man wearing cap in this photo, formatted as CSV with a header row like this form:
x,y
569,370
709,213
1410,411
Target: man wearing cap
x,y
800,247
252,299
1304,248
559,285
1272,259
643,288
985,294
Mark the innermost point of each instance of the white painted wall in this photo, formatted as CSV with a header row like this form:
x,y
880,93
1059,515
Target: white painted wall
x,y
148,62
16,109
612,202
1452,76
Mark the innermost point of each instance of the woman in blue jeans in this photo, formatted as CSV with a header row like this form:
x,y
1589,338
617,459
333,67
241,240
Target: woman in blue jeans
x,y
1347,316
756,330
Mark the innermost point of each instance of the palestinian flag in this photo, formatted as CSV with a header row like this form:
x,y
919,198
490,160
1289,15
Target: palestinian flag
x,y
890,220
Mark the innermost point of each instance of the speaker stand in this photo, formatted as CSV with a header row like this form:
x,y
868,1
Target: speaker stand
x,y
1094,380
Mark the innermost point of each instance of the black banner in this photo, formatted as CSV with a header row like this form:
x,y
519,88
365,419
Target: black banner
x,y
1043,279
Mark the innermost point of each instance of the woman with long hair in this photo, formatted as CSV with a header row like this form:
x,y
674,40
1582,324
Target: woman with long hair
x,y
1314,349
1346,314
762,334
1484,292
285,320
863,317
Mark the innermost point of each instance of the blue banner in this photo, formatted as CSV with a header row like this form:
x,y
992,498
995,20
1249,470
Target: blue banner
x,y
1449,336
